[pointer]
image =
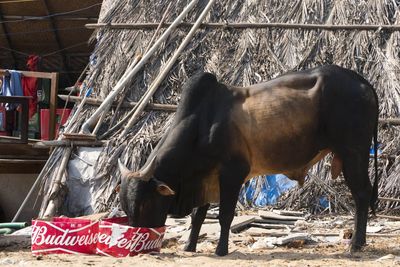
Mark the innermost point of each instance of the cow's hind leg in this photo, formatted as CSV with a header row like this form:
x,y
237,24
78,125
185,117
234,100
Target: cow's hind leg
x,y
231,178
355,171
198,216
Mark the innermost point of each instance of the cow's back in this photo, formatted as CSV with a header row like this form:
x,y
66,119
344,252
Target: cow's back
x,y
283,122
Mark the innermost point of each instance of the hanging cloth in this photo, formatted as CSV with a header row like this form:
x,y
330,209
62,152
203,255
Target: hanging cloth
x,y
30,84
12,87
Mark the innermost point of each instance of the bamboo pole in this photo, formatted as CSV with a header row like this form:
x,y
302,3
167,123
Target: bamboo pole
x,y
153,88
248,25
147,49
97,102
104,113
78,111
391,121
66,142
164,17
130,72
389,199
58,181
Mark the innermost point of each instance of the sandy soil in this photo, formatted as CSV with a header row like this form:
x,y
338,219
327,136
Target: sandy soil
x,y
241,255
321,251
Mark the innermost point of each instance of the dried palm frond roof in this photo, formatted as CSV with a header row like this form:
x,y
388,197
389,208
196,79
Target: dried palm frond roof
x,y
239,57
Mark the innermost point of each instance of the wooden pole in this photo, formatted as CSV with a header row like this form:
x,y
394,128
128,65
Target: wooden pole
x,y
248,25
158,27
111,127
53,105
105,106
389,199
97,102
391,121
153,88
66,142
57,183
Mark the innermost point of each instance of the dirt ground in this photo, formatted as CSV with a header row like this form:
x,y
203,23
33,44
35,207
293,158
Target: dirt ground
x,y
383,249
240,255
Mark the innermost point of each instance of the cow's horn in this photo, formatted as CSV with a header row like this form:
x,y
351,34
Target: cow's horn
x,y
146,172
125,172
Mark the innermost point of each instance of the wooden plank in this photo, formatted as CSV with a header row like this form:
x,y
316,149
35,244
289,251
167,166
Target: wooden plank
x,y
271,221
271,215
79,136
241,222
33,74
255,231
288,212
269,226
397,218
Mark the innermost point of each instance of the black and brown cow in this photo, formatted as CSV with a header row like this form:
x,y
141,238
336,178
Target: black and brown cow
x,y
224,135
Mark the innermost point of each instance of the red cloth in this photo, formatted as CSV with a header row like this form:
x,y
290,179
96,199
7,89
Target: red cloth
x,y
30,85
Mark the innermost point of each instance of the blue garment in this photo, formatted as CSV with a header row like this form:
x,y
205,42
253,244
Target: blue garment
x,y
12,86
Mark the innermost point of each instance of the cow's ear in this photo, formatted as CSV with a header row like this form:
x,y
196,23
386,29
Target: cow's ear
x,y
164,190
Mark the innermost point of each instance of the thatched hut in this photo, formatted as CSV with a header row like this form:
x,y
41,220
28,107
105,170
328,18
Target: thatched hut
x,y
238,54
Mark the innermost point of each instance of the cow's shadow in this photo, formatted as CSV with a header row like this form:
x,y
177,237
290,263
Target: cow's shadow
x,y
295,255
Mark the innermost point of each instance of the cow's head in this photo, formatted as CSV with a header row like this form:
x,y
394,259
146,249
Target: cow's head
x,y
144,198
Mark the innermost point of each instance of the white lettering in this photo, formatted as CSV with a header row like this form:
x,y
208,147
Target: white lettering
x,y
40,238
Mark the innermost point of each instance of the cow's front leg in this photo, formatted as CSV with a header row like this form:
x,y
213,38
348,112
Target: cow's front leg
x,y
230,181
198,216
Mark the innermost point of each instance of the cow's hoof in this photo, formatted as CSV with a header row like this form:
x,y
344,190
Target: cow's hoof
x,y
355,248
221,251
189,248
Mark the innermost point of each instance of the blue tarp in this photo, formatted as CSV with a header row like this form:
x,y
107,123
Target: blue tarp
x,y
272,186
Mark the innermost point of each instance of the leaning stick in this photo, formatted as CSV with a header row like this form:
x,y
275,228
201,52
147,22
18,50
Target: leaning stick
x,y
105,106
56,185
78,111
147,49
164,17
35,184
153,88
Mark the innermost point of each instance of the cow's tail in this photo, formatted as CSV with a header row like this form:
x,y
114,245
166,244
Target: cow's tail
x,y
374,198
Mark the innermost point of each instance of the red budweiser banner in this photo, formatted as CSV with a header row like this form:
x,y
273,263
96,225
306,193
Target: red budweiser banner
x,y
119,240
64,235
109,237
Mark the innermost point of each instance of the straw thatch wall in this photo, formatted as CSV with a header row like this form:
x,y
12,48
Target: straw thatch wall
x,y
239,57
